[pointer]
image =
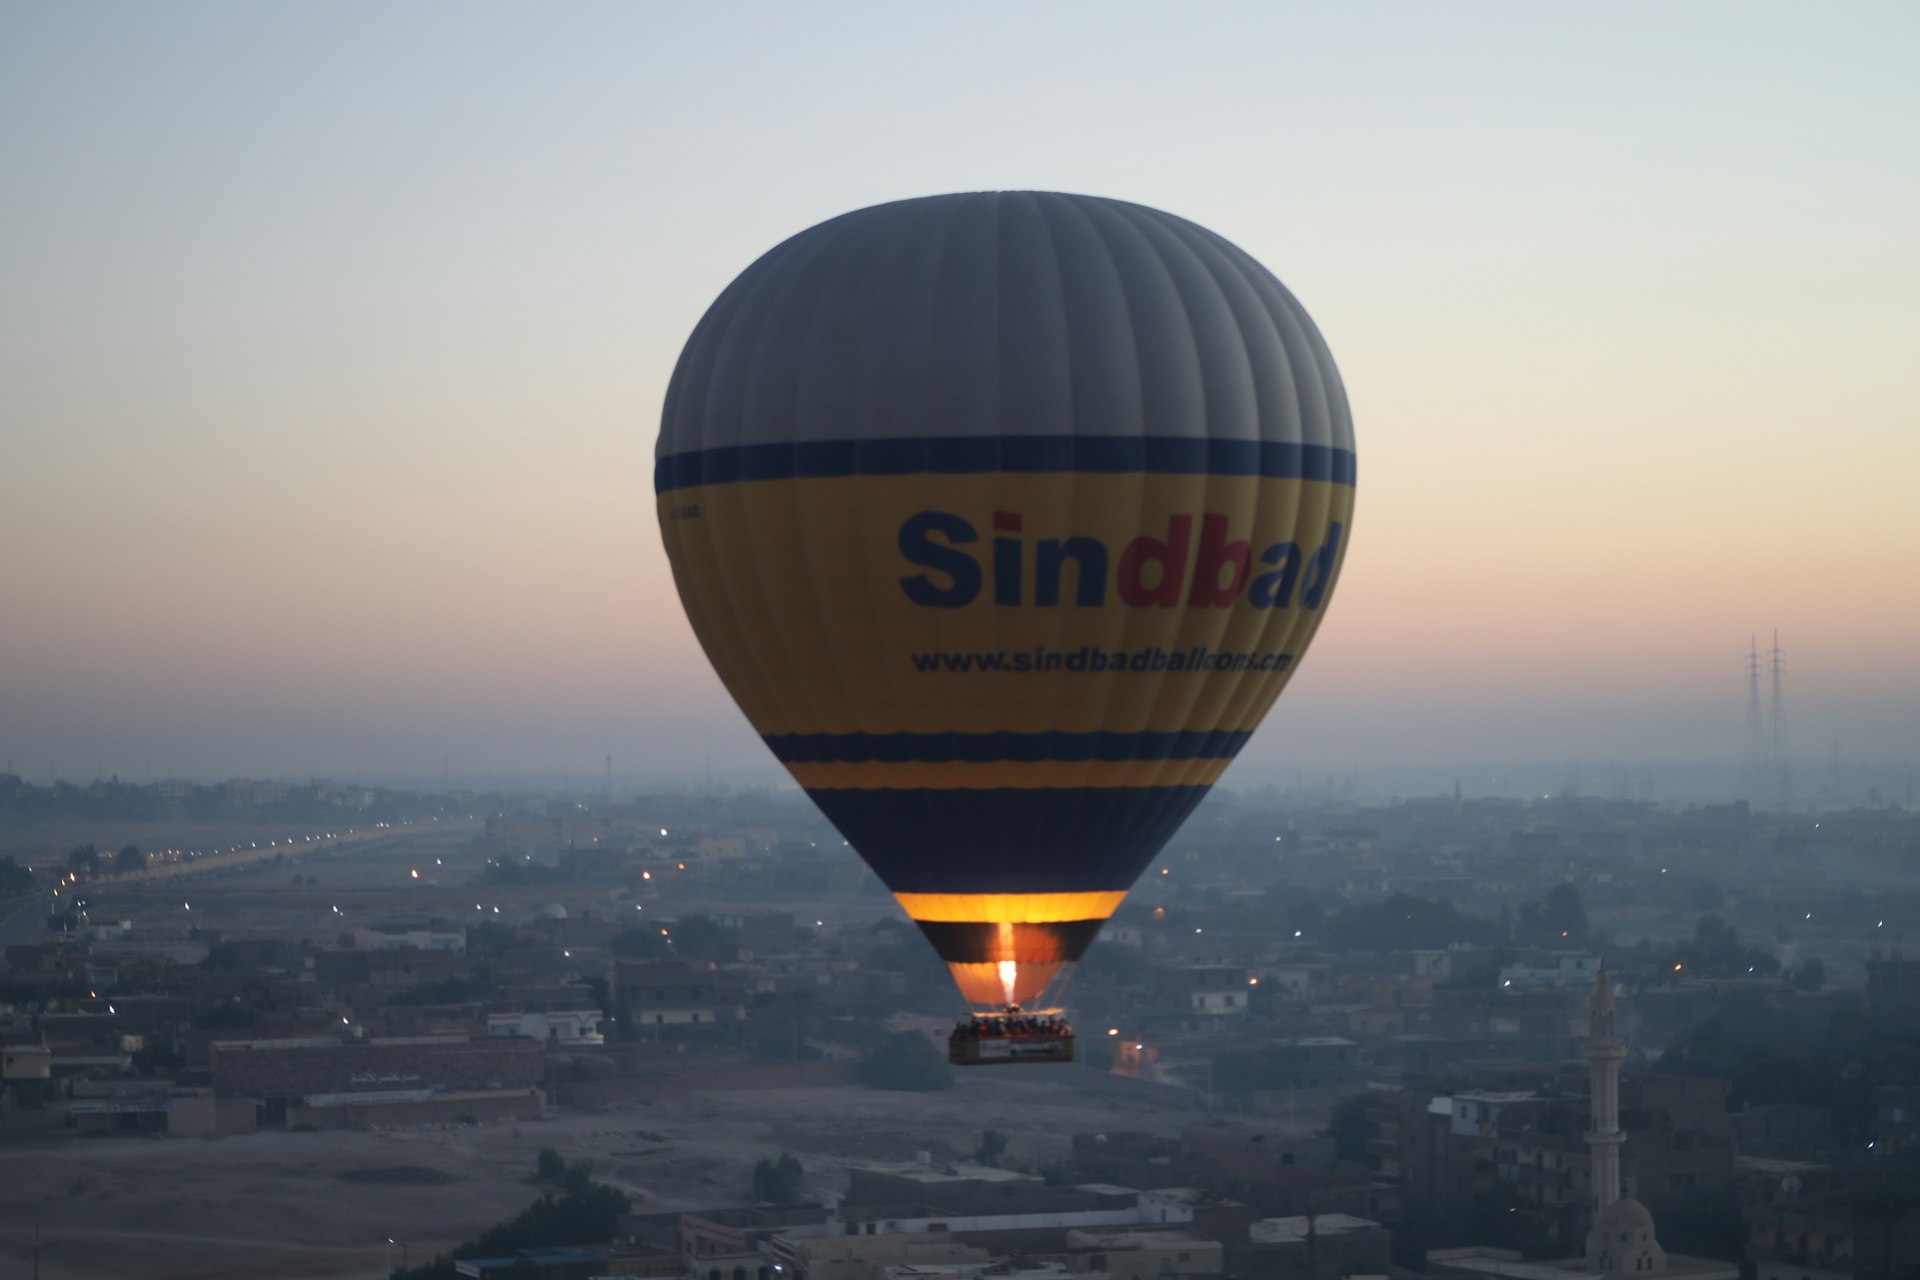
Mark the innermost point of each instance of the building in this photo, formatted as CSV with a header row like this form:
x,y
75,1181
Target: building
x,y
335,1082
1307,1246
1557,969
1143,1253
156,1106
410,938
1621,1242
655,995
566,1028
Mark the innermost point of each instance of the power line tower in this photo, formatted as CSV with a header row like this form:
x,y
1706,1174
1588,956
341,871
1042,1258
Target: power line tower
x,y
1781,768
1754,774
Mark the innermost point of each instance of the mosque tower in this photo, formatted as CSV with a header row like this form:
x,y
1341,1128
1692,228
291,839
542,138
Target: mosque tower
x,y
1621,1243
1604,1053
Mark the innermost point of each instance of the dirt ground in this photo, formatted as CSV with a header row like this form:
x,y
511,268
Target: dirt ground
x,y
325,1204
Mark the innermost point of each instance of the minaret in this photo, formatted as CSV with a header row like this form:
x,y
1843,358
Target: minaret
x,y
1604,1053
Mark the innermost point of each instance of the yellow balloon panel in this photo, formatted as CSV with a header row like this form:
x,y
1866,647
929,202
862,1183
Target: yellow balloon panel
x,y
1006,602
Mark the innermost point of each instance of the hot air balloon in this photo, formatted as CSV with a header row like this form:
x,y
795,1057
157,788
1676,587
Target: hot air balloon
x,y
1005,517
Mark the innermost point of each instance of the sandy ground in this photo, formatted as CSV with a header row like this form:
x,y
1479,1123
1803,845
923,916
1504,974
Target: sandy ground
x,y
325,1204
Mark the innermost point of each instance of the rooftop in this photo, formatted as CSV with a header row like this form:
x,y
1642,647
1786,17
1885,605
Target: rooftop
x,y
914,1171
1293,1230
1507,1265
1137,1237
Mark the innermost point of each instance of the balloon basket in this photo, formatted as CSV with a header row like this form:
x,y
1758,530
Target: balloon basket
x,y
1012,1035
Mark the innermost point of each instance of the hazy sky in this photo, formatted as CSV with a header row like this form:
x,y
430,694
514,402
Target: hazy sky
x,y
333,340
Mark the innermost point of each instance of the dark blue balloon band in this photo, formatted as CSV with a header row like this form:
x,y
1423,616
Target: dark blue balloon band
x,y
972,455
1008,840
982,748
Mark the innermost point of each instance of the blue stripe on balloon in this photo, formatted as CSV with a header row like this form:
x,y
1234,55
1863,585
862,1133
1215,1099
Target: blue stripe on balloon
x,y
982,748
1005,839
967,455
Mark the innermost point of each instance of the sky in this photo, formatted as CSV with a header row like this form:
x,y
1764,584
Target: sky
x,y
333,340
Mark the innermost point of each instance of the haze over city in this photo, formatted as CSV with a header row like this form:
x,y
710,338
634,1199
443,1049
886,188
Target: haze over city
x,y
334,339
858,641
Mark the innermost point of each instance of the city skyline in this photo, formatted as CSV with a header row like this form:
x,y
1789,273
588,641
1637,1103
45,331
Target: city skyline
x,y
334,345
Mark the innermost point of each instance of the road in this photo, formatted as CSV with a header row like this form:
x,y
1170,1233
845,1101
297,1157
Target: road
x,y
288,849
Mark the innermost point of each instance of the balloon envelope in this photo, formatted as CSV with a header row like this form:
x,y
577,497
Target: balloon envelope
x,y
1005,517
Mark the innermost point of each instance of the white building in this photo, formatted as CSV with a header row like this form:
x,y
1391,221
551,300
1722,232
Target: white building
x,y
1561,969
453,940
560,1026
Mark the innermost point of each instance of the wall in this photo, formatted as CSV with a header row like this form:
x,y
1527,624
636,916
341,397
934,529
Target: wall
x,y
516,1105
503,1063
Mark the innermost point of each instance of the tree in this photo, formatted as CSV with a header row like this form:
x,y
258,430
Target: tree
x,y
1704,895
704,938
228,1015
1559,919
1350,1128
85,858
14,879
1810,974
1404,921
646,943
572,1219
993,1145
129,859
156,1057
550,1165
778,1181
1563,911
906,1061
1717,951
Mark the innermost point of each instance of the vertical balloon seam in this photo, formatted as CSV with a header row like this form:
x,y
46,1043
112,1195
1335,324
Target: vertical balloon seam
x,y
734,400
791,503
679,392
1153,833
791,698
915,249
1197,486
1077,493
751,687
1166,802
1100,261
1209,697
894,817
1063,319
1093,218
1070,478
1221,269
1288,321
827,311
